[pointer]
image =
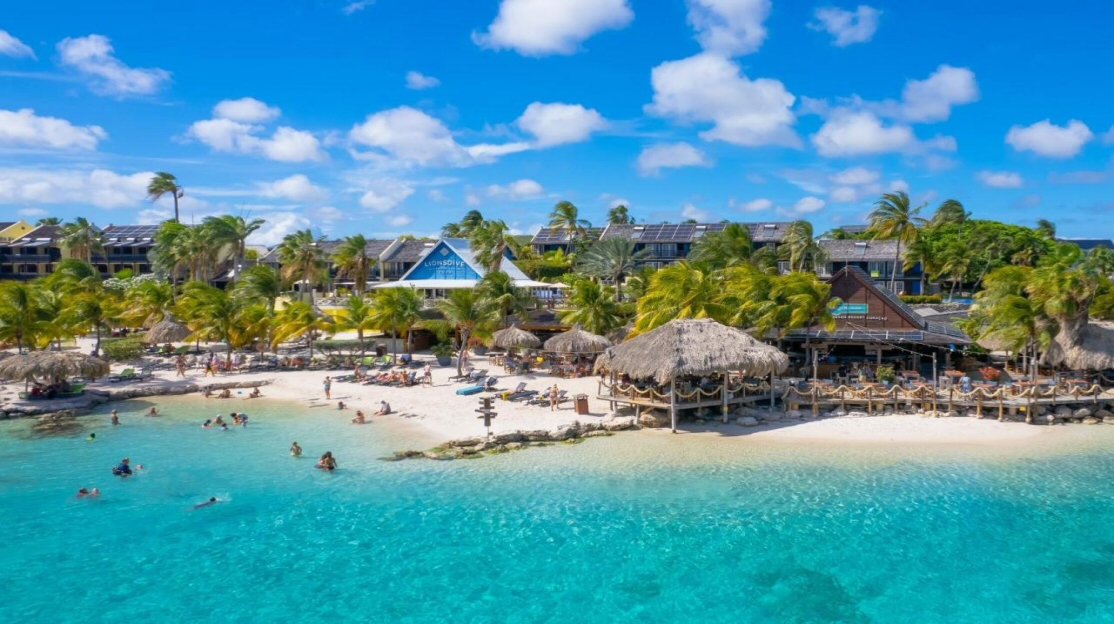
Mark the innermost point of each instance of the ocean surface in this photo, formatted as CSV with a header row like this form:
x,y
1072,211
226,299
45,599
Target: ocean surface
x,y
631,528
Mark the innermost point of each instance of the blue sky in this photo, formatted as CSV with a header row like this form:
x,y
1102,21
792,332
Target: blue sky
x,y
396,116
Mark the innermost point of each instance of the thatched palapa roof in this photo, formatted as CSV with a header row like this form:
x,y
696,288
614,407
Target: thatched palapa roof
x,y
692,347
1094,352
576,340
52,365
994,341
167,330
514,338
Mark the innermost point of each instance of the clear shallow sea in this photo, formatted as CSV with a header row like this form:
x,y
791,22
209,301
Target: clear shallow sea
x,y
628,528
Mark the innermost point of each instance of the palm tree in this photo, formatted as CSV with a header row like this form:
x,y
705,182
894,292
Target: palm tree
x,y
594,306
148,302
894,218
729,247
352,261
489,243
398,309
1101,259
801,248
48,221
357,315
612,260
262,282
951,211
231,232
303,259
81,239
298,319
1064,288
165,252
566,217
497,290
92,311
165,184
463,229
468,316
619,215
213,314
955,262
805,302
22,317
680,291
1046,228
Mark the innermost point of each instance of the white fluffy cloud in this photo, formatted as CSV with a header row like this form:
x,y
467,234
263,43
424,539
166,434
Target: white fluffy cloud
x,y
847,27
670,155
356,7
412,137
517,190
932,99
858,133
32,213
729,27
277,226
99,187
231,130
385,194
807,205
93,58
246,110
543,27
399,220
558,123
23,128
10,46
417,80
1000,179
711,88
1047,139
437,195
756,205
855,176
296,188
690,211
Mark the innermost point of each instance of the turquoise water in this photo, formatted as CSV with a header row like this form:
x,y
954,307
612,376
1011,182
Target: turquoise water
x,y
629,528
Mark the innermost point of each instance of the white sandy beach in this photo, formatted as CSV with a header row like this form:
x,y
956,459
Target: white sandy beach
x,y
445,415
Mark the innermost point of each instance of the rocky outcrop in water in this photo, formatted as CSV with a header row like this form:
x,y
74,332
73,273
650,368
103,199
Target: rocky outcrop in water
x,y
470,448
98,396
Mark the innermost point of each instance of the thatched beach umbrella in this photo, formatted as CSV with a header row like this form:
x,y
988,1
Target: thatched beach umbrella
x,y
576,340
514,338
52,366
167,330
1094,351
691,347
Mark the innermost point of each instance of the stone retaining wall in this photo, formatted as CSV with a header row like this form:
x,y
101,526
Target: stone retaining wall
x,y
468,448
97,396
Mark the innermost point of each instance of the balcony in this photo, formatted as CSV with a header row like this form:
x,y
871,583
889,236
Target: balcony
x,y
25,258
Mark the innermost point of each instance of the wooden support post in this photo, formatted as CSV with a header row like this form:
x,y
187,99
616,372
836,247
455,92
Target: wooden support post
x,y
726,379
815,405
771,390
869,402
843,398
673,404
1001,406
978,403
951,397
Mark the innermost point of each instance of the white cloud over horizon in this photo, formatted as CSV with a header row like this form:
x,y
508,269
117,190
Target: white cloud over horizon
x,y
24,129
232,130
517,190
558,123
670,156
1047,139
1000,179
93,57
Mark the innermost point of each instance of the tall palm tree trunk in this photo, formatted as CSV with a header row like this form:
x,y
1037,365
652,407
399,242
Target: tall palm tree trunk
x,y
893,272
175,196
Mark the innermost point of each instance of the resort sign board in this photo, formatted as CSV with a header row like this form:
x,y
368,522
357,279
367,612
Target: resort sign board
x,y
849,309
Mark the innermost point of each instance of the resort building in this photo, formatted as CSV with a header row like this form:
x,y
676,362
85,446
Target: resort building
x,y
11,230
875,258
33,254
126,248
873,325
1087,244
449,264
665,243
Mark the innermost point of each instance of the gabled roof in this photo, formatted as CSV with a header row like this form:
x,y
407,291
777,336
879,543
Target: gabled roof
x,y
859,250
409,251
451,263
43,231
764,232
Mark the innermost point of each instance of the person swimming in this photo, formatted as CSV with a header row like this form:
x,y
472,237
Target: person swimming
x,y
295,450
92,437
207,424
341,405
87,493
224,427
235,418
153,412
212,501
124,468
327,462
218,421
243,420
82,493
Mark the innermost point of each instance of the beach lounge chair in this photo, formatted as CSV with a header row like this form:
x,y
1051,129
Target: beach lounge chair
x,y
506,396
525,395
543,398
128,374
469,390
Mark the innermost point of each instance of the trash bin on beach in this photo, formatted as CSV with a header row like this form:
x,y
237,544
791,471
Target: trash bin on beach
x,y
581,401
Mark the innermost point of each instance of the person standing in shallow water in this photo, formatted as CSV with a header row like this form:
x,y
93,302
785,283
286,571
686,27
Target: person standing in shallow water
x,y
328,385
327,462
115,418
295,450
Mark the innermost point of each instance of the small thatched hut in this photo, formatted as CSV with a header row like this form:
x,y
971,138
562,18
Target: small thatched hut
x,y
1093,352
691,347
515,338
52,366
577,341
167,330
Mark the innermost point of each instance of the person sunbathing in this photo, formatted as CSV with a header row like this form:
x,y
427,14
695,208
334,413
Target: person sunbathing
x,y
384,409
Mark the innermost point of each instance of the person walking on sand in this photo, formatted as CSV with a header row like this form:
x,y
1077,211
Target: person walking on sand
x,y
328,385
427,374
553,394
180,363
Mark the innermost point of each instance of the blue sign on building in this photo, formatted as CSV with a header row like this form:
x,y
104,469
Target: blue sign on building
x,y
842,309
442,263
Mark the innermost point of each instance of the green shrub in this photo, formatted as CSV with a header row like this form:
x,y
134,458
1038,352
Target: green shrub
x,y
122,349
920,299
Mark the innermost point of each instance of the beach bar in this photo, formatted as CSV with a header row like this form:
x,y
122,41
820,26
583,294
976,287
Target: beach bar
x,y
652,370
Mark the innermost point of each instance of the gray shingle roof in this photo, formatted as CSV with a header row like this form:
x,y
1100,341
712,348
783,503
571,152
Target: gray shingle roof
x,y
856,250
373,247
6,224
410,251
764,232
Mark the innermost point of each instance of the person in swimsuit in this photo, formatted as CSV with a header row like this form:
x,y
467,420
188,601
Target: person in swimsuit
x,y
219,421
328,386
212,501
327,462
243,420
115,418
82,493
295,450
359,419
207,424
124,469
341,405
384,408
92,437
255,393
153,412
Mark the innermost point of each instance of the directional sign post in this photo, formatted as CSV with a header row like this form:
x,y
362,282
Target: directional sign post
x,y
487,413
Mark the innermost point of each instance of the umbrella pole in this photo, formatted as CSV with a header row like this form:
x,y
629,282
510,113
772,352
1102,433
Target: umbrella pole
x,y
673,403
725,377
